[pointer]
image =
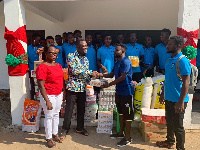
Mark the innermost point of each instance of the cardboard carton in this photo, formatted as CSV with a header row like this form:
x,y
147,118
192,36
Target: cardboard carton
x,y
153,136
152,127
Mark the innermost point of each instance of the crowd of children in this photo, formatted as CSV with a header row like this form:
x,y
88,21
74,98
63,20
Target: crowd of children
x,y
101,51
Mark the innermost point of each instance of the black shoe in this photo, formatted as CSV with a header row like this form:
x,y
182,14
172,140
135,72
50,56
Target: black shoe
x,y
124,142
64,132
115,136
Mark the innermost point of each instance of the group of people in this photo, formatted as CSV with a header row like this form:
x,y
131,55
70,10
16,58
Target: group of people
x,y
84,61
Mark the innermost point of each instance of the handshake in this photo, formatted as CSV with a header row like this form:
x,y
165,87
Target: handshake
x,y
96,74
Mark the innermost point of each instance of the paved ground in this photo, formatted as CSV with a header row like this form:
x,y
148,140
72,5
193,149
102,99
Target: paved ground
x,y
12,138
196,109
35,141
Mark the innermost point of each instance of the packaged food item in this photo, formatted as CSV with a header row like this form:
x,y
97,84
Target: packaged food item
x,y
65,71
97,82
134,60
31,115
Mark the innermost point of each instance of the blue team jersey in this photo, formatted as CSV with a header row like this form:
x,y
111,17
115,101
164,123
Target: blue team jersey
x,y
106,55
59,59
32,56
126,86
198,58
173,84
161,51
91,55
136,50
68,48
149,57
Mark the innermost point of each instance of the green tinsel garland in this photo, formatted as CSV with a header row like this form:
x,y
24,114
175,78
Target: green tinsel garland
x,y
14,61
190,52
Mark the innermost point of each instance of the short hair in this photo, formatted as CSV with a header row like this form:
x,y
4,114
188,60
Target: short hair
x,y
123,46
166,31
133,33
79,40
107,35
77,31
46,48
58,35
49,37
178,40
97,33
70,33
120,34
35,35
148,36
65,33
88,34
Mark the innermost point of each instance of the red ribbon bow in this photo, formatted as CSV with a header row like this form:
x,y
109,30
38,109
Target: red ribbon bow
x,y
191,35
15,48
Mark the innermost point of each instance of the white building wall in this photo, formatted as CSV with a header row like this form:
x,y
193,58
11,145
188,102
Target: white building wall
x,y
96,15
4,79
110,15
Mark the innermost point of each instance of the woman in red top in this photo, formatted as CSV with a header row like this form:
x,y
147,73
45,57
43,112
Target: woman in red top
x,y
50,82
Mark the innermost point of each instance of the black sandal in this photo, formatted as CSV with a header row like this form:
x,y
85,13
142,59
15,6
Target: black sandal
x,y
50,143
83,132
58,138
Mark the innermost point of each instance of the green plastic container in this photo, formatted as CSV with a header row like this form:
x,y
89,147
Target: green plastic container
x,y
118,125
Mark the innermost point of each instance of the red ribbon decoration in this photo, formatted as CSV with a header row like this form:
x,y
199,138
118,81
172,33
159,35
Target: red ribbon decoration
x,y
191,35
15,48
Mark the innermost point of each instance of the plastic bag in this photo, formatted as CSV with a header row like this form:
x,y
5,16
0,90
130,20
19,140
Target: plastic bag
x,y
31,115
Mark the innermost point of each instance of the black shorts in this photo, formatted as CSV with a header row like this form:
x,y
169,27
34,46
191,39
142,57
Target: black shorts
x,y
125,106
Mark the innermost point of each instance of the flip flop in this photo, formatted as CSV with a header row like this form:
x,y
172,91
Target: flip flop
x,y
83,132
51,143
58,138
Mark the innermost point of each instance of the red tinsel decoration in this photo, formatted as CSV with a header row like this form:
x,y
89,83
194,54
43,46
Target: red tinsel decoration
x,y
15,48
191,35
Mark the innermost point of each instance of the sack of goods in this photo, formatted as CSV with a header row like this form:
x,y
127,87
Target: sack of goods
x,y
142,98
91,106
157,90
31,115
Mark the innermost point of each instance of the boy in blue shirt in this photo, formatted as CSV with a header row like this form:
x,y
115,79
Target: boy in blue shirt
x,y
69,47
91,53
97,41
176,94
50,42
65,37
33,56
161,51
124,93
105,55
58,40
135,49
149,57
77,34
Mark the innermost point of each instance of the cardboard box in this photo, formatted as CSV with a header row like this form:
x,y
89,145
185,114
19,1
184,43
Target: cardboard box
x,y
152,127
153,136
104,126
97,82
110,122
105,115
102,130
153,115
